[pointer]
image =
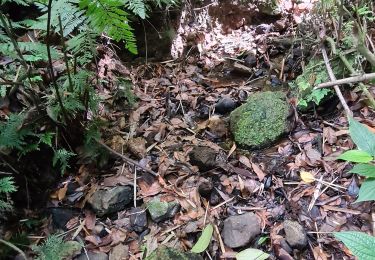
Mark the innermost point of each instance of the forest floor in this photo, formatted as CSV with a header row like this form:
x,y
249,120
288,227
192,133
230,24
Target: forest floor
x,y
176,126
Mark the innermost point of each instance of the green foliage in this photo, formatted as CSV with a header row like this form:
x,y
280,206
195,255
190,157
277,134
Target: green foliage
x,y
108,16
365,141
360,244
12,134
252,254
61,159
204,240
83,46
6,186
357,156
54,248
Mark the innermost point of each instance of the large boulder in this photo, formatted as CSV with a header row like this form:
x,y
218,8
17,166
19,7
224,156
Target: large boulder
x,y
262,120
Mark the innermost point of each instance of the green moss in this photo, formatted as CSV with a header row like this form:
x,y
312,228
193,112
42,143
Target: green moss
x,y
261,120
165,253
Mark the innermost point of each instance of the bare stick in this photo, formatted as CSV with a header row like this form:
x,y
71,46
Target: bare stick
x,y
348,80
127,159
333,78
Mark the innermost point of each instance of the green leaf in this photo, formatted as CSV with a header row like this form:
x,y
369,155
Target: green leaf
x,y
204,240
356,156
362,169
360,244
362,136
367,190
252,254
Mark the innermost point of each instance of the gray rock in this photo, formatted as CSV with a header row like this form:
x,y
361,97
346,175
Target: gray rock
x,y
166,253
239,230
138,219
93,256
162,210
119,252
106,201
295,234
225,105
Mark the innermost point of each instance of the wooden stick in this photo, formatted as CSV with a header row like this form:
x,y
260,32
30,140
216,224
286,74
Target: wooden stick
x,y
348,80
333,78
127,159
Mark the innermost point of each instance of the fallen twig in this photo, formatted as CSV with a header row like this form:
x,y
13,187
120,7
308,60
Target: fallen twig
x,y
127,159
333,78
348,80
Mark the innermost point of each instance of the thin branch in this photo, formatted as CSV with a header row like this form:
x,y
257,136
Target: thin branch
x,y
348,80
65,55
127,159
333,78
52,75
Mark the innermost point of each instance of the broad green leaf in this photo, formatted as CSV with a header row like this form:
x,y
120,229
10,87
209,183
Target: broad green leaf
x,y
360,244
362,136
367,190
204,240
252,254
356,156
363,169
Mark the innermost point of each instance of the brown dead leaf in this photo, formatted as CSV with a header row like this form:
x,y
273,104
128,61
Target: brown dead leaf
x,y
62,192
245,161
115,180
149,190
90,219
137,146
258,171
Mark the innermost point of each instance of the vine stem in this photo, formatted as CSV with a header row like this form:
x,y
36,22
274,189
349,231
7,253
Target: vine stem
x,y
52,75
14,247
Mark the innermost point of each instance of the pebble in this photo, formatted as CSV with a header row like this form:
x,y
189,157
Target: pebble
x,y
138,219
203,157
295,234
225,105
162,210
239,230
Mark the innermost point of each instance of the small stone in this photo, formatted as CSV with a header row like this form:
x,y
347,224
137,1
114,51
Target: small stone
x,y
162,210
215,198
205,189
225,105
166,253
262,28
242,69
137,146
119,252
93,256
203,157
239,230
106,201
138,219
295,234
61,216
251,60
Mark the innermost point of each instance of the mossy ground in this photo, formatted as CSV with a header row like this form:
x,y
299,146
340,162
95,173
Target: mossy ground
x,y
261,120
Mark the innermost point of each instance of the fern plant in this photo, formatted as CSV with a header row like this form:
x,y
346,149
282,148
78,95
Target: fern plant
x,y
6,186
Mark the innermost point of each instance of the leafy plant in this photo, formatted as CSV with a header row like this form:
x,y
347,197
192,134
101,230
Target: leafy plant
x,y
55,248
360,244
365,141
204,240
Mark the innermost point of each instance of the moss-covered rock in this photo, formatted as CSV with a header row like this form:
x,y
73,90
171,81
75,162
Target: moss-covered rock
x,y
162,210
261,120
166,253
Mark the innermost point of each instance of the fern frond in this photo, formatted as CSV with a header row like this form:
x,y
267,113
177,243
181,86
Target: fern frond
x,y
7,185
107,16
12,135
55,248
61,158
83,46
71,16
138,7
19,2
32,51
